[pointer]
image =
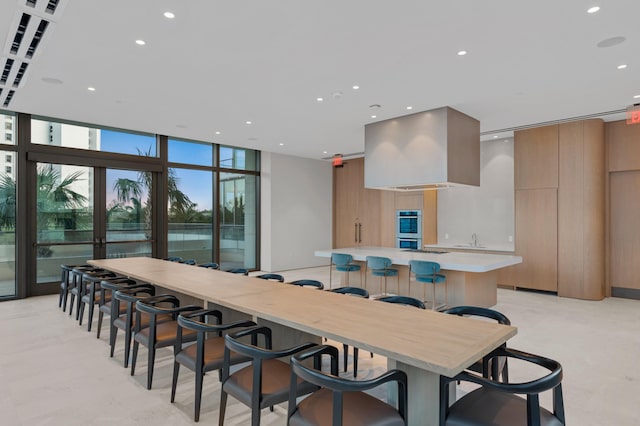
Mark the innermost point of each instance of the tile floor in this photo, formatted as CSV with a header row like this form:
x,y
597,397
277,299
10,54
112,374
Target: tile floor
x,y
55,373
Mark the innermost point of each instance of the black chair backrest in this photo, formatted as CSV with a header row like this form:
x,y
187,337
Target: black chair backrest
x,y
476,311
352,291
337,384
308,283
188,261
243,271
532,389
210,265
403,300
271,277
173,259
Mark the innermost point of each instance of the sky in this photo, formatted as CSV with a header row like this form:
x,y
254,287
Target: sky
x,y
196,184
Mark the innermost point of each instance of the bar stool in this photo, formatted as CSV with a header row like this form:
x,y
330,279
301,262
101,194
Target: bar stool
x,y
343,263
380,267
427,272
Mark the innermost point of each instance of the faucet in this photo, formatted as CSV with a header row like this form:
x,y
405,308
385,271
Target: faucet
x,y
474,240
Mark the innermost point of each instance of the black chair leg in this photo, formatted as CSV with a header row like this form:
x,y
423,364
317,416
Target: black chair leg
x,y
174,382
64,301
71,303
199,380
223,407
90,316
134,357
100,316
80,313
113,333
150,360
127,347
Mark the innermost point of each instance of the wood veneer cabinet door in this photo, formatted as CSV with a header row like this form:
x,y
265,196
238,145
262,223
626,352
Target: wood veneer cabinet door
x,y
537,238
356,209
535,154
625,232
581,210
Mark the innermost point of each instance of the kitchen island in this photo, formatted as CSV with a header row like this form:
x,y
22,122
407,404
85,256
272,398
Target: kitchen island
x,y
471,277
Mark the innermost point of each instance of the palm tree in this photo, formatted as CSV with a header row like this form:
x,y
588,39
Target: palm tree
x,y
7,203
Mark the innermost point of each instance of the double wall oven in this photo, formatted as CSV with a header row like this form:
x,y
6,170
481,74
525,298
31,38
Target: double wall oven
x,y
409,229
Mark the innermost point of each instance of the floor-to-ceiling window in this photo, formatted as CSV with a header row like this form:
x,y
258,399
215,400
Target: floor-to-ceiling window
x,y
8,181
72,191
190,195
238,203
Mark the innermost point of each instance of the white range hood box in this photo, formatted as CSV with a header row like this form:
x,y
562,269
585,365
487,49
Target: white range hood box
x,y
425,150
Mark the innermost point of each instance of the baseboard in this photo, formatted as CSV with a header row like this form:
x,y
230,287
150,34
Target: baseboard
x,y
625,293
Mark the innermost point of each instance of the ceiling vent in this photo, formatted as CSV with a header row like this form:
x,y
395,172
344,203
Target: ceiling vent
x,y
32,25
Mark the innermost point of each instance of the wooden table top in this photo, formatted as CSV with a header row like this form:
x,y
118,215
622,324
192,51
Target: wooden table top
x,y
439,343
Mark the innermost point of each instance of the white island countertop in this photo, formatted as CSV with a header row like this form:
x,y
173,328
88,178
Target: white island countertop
x,y
453,261
507,248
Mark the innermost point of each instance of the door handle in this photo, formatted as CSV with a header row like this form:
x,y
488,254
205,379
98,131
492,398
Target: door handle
x,y
355,235
359,232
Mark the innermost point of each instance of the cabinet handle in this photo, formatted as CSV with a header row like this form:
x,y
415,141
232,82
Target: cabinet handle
x,y
359,232
355,235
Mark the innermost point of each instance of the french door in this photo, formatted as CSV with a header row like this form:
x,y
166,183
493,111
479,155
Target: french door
x,y
86,212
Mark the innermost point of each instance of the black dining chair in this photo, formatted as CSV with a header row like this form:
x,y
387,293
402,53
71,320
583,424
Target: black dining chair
x,y
357,292
207,354
403,300
342,401
89,293
271,277
266,381
158,334
66,283
209,265
496,403
240,271
308,283
106,302
499,370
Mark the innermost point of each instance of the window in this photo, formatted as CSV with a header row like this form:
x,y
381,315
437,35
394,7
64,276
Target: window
x,y
8,169
68,135
8,158
9,125
238,158
185,152
8,137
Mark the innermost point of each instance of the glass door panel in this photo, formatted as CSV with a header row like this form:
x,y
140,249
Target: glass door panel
x,y
64,218
190,214
128,213
238,210
7,225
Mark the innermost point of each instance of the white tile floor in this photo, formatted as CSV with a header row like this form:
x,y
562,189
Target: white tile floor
x,y
55,373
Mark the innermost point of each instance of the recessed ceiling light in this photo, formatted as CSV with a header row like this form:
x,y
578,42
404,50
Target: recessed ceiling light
x,y
593,9
356,87
141,42
217,133
409,107
373,116
169,15
319,99
281,144
462,52
248,122
636,97
91,89
621,67
324,152
495,137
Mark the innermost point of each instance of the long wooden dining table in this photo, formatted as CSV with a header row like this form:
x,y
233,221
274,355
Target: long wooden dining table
x,y
423,343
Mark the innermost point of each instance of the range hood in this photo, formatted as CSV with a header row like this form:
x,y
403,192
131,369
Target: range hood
x,y
426,150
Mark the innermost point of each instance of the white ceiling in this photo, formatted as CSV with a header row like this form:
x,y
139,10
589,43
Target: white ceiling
x,y
221,63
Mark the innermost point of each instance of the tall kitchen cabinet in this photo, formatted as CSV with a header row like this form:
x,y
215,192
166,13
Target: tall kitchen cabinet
x,y
560,209
356,210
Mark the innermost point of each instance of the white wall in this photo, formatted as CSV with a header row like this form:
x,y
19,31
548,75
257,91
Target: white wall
x,y
488,210
296,211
